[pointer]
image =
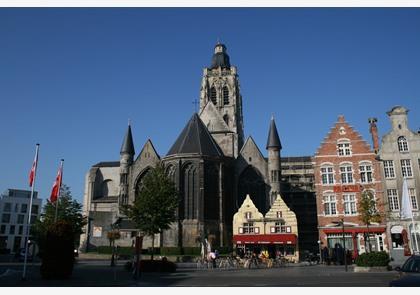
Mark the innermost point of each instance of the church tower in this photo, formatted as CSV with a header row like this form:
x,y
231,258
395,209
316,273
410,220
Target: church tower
x,y
126,159
221,103
274,161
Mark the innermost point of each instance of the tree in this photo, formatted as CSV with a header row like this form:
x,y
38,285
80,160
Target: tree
x,y
154,208
69,211
368,212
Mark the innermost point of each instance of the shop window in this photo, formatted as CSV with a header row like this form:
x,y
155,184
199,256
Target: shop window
x,y
397,241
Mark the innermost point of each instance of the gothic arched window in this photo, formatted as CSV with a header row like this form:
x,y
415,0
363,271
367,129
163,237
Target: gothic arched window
x,y
402,144
213,95
225,95
190,188
170,172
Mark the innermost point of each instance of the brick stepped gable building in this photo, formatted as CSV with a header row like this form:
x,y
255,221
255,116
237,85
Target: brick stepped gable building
x,y
400,157
211,164
344,167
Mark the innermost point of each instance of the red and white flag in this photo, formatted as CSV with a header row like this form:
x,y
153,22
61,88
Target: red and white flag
x,y
33,169
57,185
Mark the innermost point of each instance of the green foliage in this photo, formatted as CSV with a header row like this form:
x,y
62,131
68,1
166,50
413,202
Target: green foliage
x,y
195,251
169,251
58,255
154,208
367,209
69,210
121,250
373,259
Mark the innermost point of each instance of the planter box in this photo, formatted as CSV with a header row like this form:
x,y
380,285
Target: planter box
x,y
370,268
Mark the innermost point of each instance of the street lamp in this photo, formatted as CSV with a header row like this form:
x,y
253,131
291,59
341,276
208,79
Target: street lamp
x,y
341,223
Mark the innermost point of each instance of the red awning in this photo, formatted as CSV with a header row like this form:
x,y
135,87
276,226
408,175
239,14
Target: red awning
x,y
265,239
354,230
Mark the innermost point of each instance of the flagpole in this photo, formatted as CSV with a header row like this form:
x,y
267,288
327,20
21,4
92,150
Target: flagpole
x,y
28,225
59,188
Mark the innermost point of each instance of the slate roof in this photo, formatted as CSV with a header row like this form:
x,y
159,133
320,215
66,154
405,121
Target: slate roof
x,y
195,139
220,59
107,164
127,145
273,140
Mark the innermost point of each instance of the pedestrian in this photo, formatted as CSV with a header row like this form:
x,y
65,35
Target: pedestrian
x,y
326,255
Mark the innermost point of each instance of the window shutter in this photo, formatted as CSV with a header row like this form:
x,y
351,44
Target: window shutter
x,y
257,230
241,230
272,229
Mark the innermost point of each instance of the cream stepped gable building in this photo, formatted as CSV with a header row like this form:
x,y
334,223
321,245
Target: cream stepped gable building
x,y
276,232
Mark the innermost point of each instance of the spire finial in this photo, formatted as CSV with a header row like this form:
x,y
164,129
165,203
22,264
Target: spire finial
x,y
218,40
129,122
272,116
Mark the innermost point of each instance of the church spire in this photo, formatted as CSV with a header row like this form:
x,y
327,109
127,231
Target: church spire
x,y
273,140
127,145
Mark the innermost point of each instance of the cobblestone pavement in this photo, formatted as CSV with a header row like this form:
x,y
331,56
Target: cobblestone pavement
x,y
100,274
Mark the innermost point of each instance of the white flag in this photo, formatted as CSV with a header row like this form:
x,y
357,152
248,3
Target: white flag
x,y
406,212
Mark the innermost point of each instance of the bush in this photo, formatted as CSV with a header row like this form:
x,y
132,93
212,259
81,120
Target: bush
x,y
169,251
121,250
373,259
58,255
157,266
193,251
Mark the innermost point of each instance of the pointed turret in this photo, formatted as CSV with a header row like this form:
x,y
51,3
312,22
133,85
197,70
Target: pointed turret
x,y
273,140
126,159
127,145
274,161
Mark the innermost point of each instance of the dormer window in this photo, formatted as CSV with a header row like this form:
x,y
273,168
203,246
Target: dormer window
x,y
344,148
402,144
213,95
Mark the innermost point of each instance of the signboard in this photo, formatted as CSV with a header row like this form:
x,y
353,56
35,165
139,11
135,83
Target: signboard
x,y
97,231
347,188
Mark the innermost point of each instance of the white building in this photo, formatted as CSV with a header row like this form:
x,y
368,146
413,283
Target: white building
x,y
400,158
14,212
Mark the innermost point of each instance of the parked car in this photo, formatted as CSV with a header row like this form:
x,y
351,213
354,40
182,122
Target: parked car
x,y
408,274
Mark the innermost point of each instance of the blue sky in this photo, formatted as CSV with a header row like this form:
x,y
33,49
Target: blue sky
x,y
71,78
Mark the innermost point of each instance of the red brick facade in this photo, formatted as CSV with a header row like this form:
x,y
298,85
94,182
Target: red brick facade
x,y
345,166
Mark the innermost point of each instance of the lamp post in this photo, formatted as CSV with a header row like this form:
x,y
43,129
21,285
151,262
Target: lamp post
x,y
341,222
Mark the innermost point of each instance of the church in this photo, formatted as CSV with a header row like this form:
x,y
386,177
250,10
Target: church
x,y
213,166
